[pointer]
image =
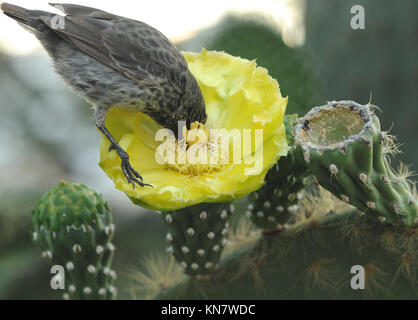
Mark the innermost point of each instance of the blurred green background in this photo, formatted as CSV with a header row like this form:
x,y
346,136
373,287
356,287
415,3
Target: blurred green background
x,y
47,132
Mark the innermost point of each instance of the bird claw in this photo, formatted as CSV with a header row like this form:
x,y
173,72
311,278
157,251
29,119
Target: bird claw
x,y
136,174
132,175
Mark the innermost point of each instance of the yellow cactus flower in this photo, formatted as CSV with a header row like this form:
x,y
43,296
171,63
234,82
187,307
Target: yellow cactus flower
x,y
239,96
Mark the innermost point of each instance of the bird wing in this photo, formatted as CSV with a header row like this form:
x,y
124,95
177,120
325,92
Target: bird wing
x,y
75,9
131,47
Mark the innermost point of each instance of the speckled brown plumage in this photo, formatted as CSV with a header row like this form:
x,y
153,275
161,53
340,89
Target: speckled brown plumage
x,y
112,61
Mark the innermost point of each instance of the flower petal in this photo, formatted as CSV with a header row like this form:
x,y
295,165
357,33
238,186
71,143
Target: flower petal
x,y
238,95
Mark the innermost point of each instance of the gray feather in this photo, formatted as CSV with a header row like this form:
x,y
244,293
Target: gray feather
x,y
115,61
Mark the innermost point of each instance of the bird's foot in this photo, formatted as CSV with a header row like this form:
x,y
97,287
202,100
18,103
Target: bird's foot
x,y
130,173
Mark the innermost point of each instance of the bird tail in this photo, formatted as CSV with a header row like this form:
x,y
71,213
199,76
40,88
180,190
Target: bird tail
x,y
29,19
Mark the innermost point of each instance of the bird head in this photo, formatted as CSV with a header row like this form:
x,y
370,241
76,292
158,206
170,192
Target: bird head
x,y
193,104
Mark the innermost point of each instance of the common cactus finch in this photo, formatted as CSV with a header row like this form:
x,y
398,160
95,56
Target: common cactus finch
x,y
112,61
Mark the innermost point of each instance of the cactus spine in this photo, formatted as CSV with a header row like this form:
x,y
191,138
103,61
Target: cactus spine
x,y
73,227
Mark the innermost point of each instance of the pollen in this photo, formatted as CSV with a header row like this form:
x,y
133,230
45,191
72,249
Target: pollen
x,y
200,138
198,152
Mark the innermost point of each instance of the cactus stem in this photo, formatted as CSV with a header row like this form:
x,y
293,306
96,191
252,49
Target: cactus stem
x,y
356,128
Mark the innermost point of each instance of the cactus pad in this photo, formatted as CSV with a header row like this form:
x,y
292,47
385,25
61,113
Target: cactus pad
x,y
73,227
197,235
343,146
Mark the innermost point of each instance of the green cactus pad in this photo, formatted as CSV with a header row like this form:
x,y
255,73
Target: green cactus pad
x,y
273,205
314,260
73,227
197,235
343,146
